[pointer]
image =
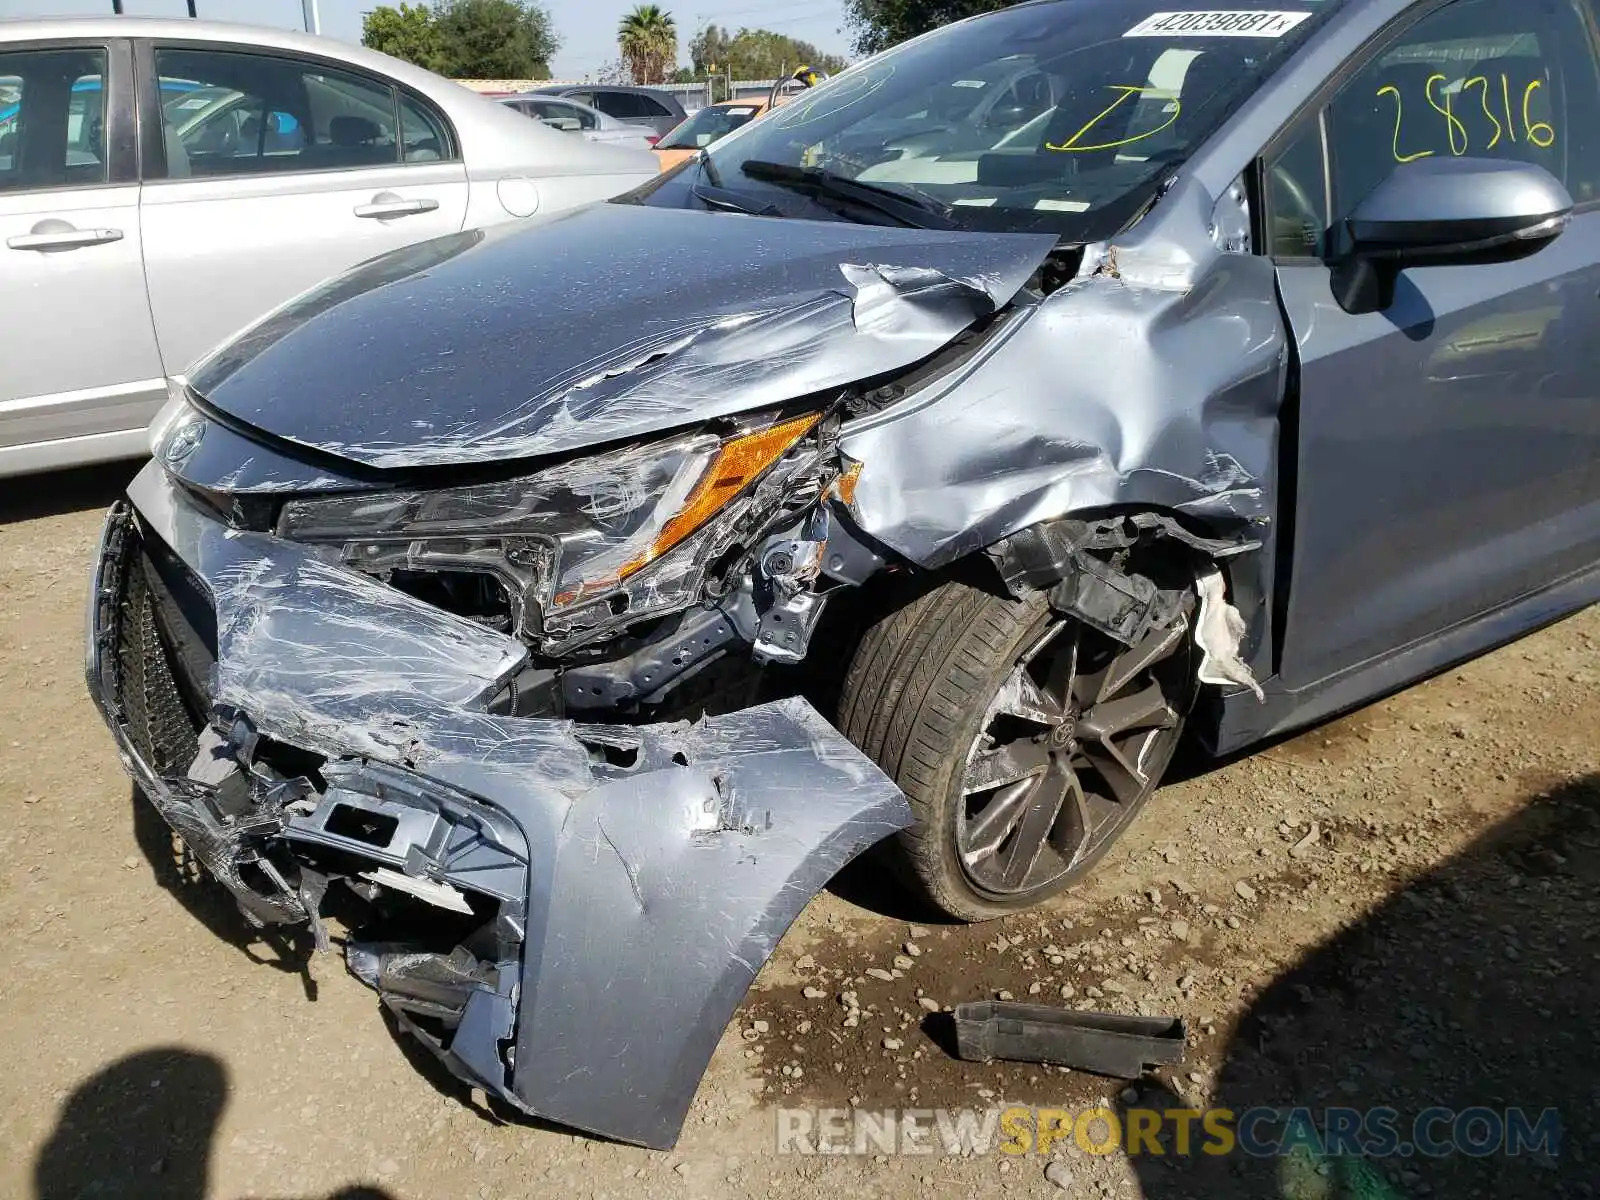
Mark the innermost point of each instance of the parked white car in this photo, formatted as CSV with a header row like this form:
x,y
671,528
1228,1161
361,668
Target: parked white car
x,y
163,183
590,124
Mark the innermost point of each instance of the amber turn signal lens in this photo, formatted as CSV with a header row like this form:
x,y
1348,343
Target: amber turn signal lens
x,y
736,466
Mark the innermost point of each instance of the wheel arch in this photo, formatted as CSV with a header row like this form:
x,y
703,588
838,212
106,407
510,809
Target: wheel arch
x,y
1130,538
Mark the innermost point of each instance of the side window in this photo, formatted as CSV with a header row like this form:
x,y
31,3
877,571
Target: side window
x,y
423,134
1489,78
561,116
52,119
1297,195
228,113
352,119
651,107
622,105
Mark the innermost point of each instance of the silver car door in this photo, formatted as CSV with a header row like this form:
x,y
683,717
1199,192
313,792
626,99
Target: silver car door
x,y
280,171
79,372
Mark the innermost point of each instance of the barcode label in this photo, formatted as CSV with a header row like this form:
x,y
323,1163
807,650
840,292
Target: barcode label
x,y
1232,23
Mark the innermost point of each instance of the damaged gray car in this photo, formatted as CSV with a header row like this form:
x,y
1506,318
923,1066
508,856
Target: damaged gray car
x,y
909,471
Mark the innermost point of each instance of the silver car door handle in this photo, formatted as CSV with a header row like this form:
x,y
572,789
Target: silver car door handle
x,y
395,208
66,239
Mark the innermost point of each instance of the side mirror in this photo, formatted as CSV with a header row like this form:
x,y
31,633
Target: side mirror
x,y
1444,212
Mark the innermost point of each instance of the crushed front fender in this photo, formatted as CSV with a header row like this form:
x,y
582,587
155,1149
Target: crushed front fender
x,y
622,885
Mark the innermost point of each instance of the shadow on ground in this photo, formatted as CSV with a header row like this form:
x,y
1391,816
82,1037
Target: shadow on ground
x,y
56,492
1474,988
285,948
143,1126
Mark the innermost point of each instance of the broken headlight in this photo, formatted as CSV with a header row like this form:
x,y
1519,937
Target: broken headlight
x,y
576,544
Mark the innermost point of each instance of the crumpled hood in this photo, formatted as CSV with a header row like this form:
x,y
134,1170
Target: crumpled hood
x,y
599,325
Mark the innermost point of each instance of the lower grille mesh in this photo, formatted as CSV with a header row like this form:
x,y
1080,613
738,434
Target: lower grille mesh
x,y
158,721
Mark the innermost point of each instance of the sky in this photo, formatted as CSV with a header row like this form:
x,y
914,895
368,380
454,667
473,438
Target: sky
x,y
587,28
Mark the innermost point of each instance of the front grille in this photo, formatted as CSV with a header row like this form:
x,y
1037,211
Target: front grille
x,y
163,724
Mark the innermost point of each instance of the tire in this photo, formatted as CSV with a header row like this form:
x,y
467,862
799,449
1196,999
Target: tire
x,y
922,690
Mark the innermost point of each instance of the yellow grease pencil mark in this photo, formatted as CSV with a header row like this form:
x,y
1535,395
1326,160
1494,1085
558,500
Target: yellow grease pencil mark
x,y
1536,129
1499,130
1071,144
1399,111
1453,123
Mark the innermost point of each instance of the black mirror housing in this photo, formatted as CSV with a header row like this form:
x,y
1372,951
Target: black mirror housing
x,y
1444,212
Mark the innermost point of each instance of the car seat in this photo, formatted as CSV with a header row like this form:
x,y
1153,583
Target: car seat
x,y
355,142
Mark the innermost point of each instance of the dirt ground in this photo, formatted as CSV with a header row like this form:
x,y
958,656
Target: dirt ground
x,y
1398,909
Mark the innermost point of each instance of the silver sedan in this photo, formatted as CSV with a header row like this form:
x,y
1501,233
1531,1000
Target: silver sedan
x,y
588,123
165,183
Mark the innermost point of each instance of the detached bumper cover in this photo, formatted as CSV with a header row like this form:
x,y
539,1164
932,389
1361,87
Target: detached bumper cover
x,y
631,880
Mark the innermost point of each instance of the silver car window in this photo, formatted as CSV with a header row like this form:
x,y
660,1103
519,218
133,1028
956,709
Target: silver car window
x,y
424,135
554,111
233,113
52,119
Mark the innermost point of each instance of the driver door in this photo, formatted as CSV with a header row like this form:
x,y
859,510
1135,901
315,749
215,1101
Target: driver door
x,y
1448,447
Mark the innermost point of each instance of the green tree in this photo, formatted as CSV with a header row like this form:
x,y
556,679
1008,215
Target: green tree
x,y
879,24
648,39
495,39
407,32
469,39
708,50
756,54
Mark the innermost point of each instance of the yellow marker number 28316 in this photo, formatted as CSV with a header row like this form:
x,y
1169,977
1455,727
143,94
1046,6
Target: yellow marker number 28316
x,y
1537,133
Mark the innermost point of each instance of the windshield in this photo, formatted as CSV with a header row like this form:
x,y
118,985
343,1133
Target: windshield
x,y
708,125
1060,116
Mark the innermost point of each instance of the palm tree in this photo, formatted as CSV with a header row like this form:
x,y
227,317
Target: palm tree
x,y
648,39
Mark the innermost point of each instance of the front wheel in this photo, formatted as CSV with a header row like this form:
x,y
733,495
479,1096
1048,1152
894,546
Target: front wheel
x,y
1025,741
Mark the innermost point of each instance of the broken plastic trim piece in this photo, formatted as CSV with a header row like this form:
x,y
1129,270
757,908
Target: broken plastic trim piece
x,y
1120,605
1044,554
1104,1043
441,895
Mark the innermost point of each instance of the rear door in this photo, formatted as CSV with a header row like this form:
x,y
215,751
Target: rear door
x,y
267,172
1449,446
79,372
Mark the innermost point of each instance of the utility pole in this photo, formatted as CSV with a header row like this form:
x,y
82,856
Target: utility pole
x,y
192,13
309,9
116,8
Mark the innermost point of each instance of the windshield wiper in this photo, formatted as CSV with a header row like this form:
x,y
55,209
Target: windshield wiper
x,y
721,197
908,208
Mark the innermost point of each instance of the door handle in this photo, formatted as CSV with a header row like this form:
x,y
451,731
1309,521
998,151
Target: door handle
x,y
394,208
65,239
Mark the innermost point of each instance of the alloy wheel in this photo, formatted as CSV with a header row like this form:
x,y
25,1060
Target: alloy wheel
x,y
1068,751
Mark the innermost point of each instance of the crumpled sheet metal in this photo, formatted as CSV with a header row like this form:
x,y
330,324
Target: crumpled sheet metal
x,y
655,890
880,318
522,352
677,884
1153,379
